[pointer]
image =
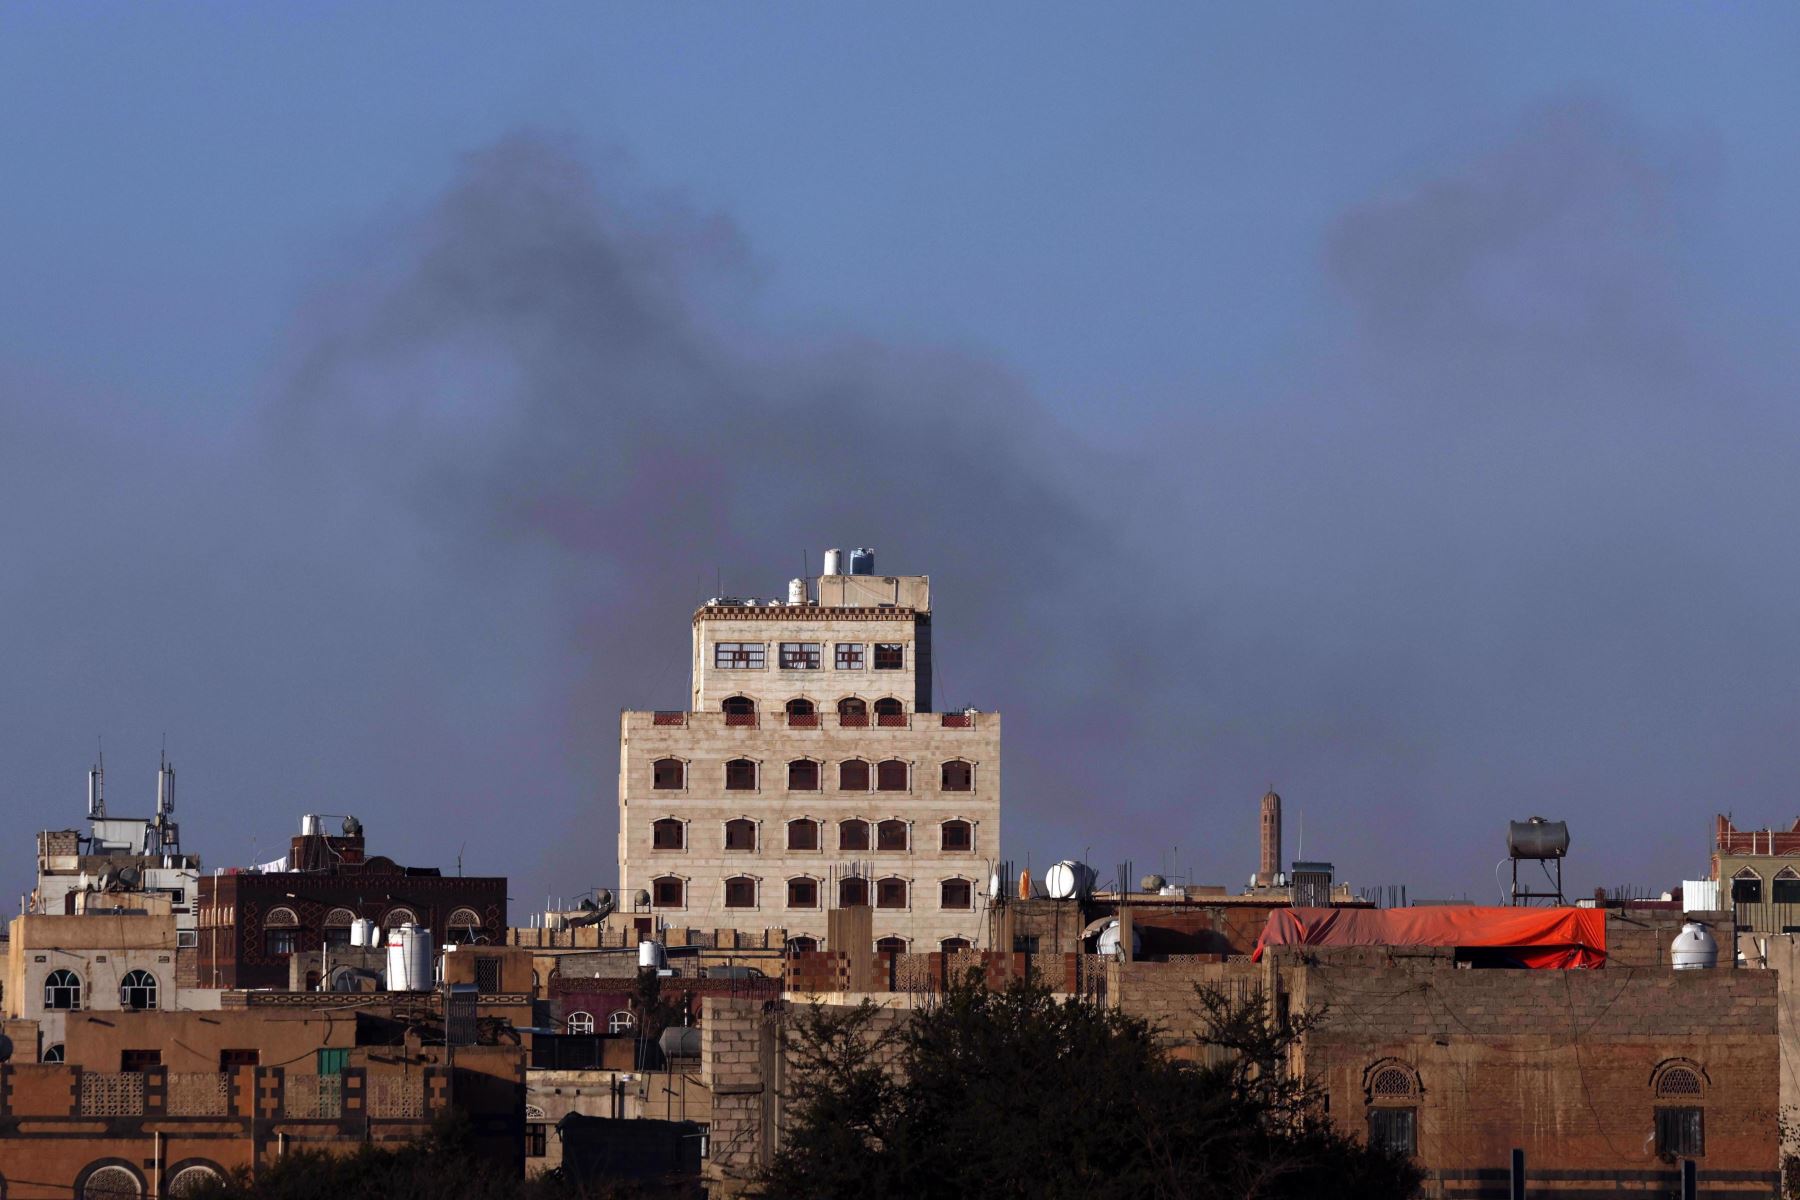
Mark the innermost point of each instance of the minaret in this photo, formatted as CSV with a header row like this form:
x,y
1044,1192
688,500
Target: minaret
x,y
1269,865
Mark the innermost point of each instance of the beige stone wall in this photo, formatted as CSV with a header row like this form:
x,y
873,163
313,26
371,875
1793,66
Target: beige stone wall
x,y
772,686
704,742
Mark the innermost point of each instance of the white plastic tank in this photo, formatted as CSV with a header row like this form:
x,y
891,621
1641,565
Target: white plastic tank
x,y
1108,941
409,967
834,562
1068,879
651,956
796,591
1694,948
362,933
311,826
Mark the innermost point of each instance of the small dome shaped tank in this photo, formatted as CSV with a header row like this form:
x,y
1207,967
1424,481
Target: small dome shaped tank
x,y
1694,948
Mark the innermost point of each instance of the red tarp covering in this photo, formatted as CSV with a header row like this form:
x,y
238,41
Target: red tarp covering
x,y
1537,937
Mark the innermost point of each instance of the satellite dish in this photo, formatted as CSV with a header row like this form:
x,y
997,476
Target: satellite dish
x,y
6,1048
129,877
106,880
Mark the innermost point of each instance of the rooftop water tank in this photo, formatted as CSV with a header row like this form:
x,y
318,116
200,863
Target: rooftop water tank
x,y
1537,838
409,959
834,562
1152,883
651,956
1107,944
362,933
1068,879
680,1041
311,826
862,561
1694,948
796,591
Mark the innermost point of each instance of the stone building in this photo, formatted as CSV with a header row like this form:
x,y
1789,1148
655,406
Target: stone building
x,y
252,922
1758,873
810,772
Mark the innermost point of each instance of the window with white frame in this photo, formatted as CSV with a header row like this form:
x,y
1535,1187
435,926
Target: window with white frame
x,y
849,656
738,656
581,1022
799,656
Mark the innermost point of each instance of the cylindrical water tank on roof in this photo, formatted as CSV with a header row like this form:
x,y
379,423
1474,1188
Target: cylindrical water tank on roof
x,y
796,591
651,956
680,1041
862,561
362,933
1537,838
311,826
834,562
1153,883
1108,941
1694,948
409,959
1068,879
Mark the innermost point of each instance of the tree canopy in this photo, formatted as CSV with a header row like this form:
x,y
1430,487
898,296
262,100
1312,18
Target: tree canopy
x,y
1017,1093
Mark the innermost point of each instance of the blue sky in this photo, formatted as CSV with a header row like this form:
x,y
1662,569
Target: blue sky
x,y
1184,240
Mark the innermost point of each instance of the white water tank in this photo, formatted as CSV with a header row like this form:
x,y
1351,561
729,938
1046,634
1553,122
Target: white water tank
x,y
862,561
796,591
1068,879
362,933
651,956
1107,944
409,959
311,826
834,562
1694,948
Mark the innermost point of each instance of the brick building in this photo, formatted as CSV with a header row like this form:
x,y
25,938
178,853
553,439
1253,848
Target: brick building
x,y
810,773
252,922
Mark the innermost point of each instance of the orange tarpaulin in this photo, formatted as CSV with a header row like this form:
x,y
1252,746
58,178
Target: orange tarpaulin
x,y
1536,937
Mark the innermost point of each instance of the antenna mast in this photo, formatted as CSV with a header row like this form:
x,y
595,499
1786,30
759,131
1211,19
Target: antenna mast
x,y
97,785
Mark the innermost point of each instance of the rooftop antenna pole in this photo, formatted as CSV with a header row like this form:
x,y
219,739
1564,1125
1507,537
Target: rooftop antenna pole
x,y
97,783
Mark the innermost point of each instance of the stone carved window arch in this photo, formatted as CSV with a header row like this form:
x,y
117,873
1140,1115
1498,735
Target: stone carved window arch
x,y
281,918
339,918
1679,1079
399,916
110,1181
534,1112
1391,1081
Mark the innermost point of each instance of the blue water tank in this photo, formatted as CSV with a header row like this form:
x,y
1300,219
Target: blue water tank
x,y
862,561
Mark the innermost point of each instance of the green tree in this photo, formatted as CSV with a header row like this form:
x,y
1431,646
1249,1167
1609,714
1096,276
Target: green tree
x,y
1019,1094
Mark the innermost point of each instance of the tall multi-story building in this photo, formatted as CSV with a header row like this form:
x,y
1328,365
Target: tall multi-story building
x,y
810,772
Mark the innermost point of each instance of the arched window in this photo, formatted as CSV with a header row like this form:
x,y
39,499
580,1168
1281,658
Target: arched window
x,y
190,1179
956,835
1391,1089
670,891
803,775
853,775
740,775
52,1054
890,835
890,776
953,945
890,945
853,713
740,834
668,774
463,927
890,893
281,933
739,710
400,915
803,834
621,1022
802,892
337,927
958,776
1746,887
956,893
1679,1080
534,1112
62,990
581,1022
740,892
1786,886
801,714
802,945
137,991
889,711
111,1182
667,833
853,835
853,892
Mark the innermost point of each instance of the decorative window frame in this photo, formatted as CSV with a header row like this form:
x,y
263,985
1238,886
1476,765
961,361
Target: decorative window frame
x,y
687,772
756,834
970,906
1372,1075
974,830
787,773
974,773
1659,1076
687,887
787,897
687,831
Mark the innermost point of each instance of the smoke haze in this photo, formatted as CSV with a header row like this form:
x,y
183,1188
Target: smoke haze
x,y
1502,535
